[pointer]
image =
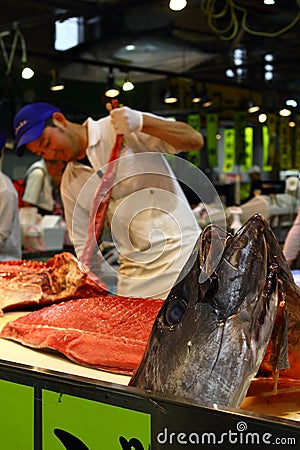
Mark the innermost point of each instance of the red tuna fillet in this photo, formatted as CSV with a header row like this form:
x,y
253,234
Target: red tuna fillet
x,y
107,333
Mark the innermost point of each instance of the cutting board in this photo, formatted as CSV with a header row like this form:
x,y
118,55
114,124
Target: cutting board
x,y
285,403
260,398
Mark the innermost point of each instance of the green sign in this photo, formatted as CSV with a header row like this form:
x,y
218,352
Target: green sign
x,y
265,146
248,158
285,146
17,416
69,422
229,145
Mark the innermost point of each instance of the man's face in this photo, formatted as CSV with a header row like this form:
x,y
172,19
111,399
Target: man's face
x,y
56,143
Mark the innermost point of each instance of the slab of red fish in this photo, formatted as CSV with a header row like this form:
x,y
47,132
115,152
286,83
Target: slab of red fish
x,y
26,284
107,333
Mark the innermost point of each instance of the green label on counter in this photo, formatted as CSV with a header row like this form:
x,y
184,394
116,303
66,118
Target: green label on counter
x,y
17,416
71,422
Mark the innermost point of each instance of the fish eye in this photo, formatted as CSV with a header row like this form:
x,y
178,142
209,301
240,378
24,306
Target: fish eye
x,y
174,311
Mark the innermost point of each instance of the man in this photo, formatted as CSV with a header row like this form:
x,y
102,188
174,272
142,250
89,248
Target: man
x,y
254,175
152,225
10,230
38,188
291,246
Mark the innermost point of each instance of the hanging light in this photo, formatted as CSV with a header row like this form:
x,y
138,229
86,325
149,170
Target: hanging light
x,y
177,5
292,122
285,109
285,112
206,101
111,90
56,83
253,107
170,98
27,72
170,95
262,118
196,95
127,85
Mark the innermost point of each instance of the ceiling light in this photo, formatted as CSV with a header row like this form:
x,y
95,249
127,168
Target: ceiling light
x,y
170,98
269,76
268,67
262,118
111,90
285,112
196,95
230,73
291,102
177,5
253,107
27,72
206,101
127,85
292,123
56,84
269,57
170,95
196,98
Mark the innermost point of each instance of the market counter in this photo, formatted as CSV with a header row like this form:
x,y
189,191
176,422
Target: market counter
x,y
54,401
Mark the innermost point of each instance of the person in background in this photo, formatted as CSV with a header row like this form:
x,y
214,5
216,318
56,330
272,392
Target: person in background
x,y
291,246
255,179
38,188
10,230
147,201
55,170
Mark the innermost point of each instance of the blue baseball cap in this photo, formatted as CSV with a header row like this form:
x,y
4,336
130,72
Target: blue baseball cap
x,y
2,140
29,123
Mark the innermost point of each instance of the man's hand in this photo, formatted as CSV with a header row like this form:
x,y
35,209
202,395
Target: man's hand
x,y
126,120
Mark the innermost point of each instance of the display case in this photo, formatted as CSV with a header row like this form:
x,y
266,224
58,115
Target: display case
x,y
50,403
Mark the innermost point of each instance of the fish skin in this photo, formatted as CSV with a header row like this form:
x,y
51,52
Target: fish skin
x,y
211,355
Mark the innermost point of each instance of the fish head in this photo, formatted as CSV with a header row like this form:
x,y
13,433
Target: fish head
x,y
210,333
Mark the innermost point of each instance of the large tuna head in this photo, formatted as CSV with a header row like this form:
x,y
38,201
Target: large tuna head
x,y
212,331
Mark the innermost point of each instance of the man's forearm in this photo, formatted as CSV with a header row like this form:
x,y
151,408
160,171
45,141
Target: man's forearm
x,y
178,134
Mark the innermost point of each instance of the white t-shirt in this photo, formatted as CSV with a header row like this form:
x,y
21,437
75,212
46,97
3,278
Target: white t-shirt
x,y
10,231
152,224
38,188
